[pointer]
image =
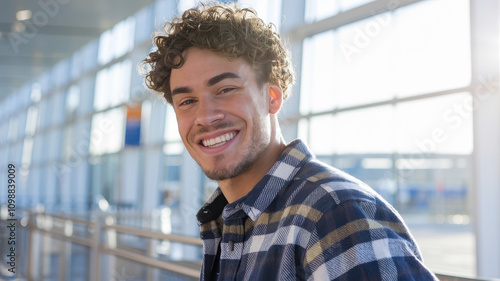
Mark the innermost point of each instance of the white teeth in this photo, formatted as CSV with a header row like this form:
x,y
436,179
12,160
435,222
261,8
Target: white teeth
x,y
218,141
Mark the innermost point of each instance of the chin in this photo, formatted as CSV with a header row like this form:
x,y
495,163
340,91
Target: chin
x,y
225,173
218,174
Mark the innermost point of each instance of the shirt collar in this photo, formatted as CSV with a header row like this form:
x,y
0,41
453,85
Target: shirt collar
x,y
295,155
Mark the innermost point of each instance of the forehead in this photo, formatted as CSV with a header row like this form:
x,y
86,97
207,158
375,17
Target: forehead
x,y
200,65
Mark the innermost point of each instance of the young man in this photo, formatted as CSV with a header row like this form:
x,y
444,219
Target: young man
x,y
278,214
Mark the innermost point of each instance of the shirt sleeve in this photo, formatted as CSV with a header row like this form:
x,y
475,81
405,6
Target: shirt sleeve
x,y
363,240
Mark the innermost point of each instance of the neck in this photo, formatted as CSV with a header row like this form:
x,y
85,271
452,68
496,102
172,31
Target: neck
x,y
239,186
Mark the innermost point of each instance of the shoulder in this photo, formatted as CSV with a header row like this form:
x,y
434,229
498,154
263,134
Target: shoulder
x,y
331,184
331,199
346,218
339,199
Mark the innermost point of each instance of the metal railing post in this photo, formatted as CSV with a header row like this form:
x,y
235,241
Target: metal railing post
x,y
64,260
30,248
95,269
152,272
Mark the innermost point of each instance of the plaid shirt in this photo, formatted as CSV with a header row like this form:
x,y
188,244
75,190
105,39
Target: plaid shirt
x,y
307,221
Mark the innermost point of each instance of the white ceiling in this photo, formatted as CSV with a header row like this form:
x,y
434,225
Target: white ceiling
x,y
57,29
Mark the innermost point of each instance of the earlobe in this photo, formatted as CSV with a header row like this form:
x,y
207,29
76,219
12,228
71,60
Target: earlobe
x,y
275,99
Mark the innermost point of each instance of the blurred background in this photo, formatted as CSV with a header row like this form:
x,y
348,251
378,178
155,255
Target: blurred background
x,y
402,94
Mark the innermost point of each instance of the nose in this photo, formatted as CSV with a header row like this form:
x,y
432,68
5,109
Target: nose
x,y
208,112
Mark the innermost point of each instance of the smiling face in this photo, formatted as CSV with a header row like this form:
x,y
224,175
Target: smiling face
x,y
225,116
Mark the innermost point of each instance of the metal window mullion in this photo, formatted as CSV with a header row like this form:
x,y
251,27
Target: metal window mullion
x,y
393,101
486,117
350,16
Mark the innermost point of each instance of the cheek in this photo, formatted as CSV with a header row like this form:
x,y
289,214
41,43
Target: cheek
x,y
183,128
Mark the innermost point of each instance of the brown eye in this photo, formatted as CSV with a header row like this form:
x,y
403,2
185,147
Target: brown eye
x,y
186,102
226,90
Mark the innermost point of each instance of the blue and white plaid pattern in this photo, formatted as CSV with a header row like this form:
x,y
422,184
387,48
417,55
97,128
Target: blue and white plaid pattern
x,y
307,221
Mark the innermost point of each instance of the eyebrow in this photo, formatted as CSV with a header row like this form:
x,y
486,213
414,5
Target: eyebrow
x,y
216,79
212,81
181,90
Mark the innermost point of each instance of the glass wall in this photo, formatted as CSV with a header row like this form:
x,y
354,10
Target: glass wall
x,y
385,98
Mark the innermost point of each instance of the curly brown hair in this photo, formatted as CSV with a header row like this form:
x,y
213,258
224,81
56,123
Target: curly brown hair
x,y
221,28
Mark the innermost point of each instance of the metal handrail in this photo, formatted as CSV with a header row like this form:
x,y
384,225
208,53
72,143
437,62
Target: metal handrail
x,y
156,235
99,247
74,220
445,277
169,266
78,240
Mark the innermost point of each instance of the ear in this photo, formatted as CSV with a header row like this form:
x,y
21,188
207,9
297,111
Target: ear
x,y
275,98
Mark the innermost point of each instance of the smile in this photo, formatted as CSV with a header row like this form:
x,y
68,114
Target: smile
x,y
218,141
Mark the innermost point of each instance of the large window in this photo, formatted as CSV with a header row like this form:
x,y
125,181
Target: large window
x,y
386,99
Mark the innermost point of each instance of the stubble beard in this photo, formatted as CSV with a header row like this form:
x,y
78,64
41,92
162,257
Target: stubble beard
x,y
249,158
